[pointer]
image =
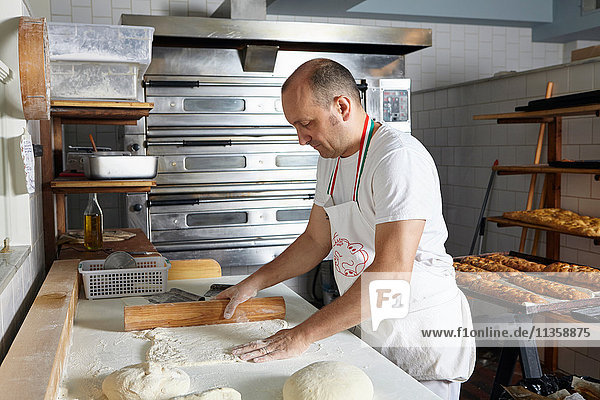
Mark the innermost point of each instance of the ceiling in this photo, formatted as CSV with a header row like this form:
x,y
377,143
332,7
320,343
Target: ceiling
x,y
551,20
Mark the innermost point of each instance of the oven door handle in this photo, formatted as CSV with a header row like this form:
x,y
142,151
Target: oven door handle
x,y
178,84
184,202
226,142
188,202
193,143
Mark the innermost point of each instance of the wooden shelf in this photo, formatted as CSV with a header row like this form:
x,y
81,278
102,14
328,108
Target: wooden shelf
x,y
99,112
540,116
541,169
503,222
79,185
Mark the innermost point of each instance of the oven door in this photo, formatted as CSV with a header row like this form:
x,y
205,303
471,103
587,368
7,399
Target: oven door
x,y
236,228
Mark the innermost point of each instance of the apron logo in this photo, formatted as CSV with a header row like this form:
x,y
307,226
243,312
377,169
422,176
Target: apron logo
x,y
349,259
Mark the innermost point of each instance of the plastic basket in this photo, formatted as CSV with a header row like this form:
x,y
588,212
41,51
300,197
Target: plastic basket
x,y
149,277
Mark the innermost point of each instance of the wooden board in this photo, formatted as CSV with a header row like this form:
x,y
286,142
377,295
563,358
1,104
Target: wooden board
x,y
501,221
138,243
533,116
586,52
194,269
171,315
541,168
33,366
78,185
103,104
34,68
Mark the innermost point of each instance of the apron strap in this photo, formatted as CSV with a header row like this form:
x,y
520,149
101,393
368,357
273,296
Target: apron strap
x,y
365,141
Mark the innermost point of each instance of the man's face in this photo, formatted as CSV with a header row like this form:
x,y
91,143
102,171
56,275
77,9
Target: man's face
x,y
321,128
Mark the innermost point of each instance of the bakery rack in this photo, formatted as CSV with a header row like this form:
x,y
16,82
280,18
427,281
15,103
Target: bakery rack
x,y
553,119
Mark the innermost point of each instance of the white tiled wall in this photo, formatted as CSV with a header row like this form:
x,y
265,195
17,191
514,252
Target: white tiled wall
x,y
465,149
20,291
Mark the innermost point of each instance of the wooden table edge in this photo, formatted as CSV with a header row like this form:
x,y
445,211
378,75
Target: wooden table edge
x,y
27,368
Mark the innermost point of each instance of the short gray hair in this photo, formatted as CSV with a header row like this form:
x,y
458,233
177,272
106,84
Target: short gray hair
x,y
327,79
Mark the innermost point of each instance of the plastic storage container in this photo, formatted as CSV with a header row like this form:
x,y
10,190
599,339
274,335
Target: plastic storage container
x,y
149,277
89,61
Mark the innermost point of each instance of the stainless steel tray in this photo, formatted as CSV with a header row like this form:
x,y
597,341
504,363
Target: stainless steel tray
x,y
120,167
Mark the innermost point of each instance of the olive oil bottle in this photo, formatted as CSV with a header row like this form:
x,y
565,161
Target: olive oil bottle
x,y
92,224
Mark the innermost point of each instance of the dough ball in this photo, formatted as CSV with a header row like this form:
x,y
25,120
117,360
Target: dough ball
x,y
213,394
328,380
146,381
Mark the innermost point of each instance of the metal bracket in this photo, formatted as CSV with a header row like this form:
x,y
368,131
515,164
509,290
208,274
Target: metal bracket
x,y
257,58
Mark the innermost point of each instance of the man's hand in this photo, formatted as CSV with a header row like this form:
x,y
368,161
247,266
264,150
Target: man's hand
x,y
286,343
236,294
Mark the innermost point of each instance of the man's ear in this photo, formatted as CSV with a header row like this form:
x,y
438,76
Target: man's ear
x,y
343,107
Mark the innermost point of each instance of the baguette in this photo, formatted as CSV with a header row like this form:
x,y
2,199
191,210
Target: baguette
x,y
468,268
548,288
490,265
505,292
575,274
517,263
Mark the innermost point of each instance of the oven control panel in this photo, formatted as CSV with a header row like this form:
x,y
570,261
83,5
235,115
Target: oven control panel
x,y
394,103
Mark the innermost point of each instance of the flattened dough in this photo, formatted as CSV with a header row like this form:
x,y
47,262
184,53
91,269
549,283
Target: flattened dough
x,y
328,380
146,381
213,394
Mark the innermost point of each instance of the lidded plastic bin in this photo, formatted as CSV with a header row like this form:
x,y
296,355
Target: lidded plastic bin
x,y
89,61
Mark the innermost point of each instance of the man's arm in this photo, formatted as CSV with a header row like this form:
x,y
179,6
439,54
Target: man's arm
x,y
395,249
301,256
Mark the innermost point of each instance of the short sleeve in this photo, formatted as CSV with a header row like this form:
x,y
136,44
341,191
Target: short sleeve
x,y
405,186
321,188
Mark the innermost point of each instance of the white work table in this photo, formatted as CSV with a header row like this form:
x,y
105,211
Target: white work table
x,y
100,346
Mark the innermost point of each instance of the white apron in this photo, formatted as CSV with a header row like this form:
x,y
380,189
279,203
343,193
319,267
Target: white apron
x,y
435,301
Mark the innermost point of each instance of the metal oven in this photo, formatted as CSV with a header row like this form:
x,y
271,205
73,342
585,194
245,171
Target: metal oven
x,y
233,183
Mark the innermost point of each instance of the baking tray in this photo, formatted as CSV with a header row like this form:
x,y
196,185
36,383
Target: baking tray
x,y
590,164
530,308
120,167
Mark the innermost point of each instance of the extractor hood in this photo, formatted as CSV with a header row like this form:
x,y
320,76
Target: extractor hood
x,y
281,35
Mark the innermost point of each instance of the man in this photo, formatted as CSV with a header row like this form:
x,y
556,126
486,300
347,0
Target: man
x,y
377,208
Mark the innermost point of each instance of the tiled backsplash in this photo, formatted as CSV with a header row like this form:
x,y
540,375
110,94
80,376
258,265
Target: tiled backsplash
x,y
464,151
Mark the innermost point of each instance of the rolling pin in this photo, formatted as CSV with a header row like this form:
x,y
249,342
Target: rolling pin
x,y
171,315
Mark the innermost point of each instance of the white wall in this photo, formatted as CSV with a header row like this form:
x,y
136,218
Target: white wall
x,y
20,213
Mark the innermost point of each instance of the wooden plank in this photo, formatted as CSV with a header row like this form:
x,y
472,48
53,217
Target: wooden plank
x,y
47,196
553,184
61,214
194,269
138,243
100,113
107,104
530,116
171,315
76,183
586,52
34,364
119,189
34,68
89,121
541,168
502,222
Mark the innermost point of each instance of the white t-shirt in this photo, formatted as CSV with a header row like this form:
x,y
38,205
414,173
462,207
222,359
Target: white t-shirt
x,y
399,182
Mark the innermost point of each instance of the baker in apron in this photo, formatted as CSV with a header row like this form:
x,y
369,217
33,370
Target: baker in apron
x,y
435,301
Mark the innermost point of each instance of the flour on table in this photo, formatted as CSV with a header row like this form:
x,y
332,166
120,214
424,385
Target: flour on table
x,y
207,344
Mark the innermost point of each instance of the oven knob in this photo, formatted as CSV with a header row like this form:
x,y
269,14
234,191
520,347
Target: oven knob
x,y
137,207
134,147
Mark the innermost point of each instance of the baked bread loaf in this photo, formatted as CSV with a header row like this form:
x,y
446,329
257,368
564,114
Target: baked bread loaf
x,y
577,275
489,265
505,292
517,263
559,219
467,273
548,288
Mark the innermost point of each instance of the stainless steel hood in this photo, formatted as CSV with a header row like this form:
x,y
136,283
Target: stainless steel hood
x,y
299,36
